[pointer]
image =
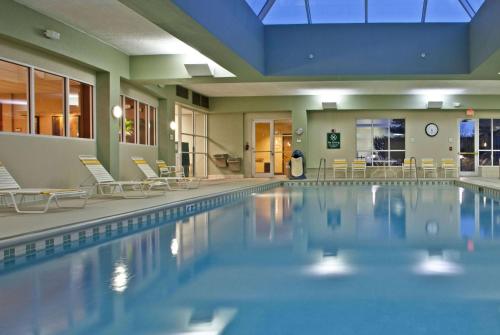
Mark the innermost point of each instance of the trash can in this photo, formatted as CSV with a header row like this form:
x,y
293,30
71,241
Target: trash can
x,y
234,164
220,160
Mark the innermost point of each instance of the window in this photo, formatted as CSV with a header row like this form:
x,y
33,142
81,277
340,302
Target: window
x,y
49,104
139,122
152,125
489,142
14,103
142,115
381,141
129,120
80,109
192,144
61,106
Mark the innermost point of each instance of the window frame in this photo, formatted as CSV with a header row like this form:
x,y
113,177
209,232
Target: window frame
x,y
372,150
179,134
492,149
66,111
137,102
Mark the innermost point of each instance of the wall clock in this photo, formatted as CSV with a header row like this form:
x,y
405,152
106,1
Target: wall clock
x,y
431,129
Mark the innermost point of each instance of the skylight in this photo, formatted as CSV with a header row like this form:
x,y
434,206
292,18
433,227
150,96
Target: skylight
x,y
364,11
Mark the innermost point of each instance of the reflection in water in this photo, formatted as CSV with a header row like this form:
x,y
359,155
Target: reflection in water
x,y
174,247
438,264
252,267
120,277
331,264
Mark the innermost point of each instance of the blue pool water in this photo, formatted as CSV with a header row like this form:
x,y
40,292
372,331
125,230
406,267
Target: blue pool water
x,y
329,260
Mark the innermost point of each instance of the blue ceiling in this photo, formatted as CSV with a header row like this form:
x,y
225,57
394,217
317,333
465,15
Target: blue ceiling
x,y
364,11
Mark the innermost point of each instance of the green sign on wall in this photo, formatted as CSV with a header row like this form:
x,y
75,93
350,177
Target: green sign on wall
x,y
333,140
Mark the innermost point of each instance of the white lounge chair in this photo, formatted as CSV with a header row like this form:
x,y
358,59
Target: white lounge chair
x,y
107,185
172,183
176,177
358,165
10,189
339,164
428,166
407,167
449,164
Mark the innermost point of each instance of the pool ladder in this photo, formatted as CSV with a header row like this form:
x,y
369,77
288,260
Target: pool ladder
x,y
322,162
414,159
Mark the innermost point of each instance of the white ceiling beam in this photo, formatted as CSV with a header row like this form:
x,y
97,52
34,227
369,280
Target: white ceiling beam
x,y
308,11
265,10
467,7
424,11
366,11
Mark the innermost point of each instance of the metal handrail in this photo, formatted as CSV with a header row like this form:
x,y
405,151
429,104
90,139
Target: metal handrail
x,y
322,161
413,159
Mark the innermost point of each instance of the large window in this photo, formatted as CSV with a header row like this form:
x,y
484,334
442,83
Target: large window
x,y
61,106
139,122
191,137
80,109
14,102
49,104
381,141
489,142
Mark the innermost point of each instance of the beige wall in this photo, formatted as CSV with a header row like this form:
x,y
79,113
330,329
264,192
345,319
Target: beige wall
x,y
20,54
128,170
418,144
225,136
230,132
138,94
45,161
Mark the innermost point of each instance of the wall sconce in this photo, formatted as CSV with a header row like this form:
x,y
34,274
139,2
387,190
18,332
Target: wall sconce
x,y
173,125
117,112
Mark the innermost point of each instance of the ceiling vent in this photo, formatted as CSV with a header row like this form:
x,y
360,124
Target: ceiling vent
x,y
329,105
434,104
199,70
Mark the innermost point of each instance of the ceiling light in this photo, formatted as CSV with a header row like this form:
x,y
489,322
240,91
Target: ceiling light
x,y
329,105
434,104
199,70
52,35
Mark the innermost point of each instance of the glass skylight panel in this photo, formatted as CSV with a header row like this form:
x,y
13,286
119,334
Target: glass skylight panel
x,y
395,11
337,11
446,11
287,12
476,4
256,5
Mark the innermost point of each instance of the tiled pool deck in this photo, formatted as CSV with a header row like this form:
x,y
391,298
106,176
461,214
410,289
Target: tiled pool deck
x,y
22,234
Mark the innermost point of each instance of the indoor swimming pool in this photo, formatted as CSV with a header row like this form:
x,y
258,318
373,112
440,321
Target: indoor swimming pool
x,y
367,259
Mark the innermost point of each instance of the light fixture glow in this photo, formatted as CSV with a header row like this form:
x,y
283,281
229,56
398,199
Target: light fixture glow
x,y
13,102
120,278
74,99
330,266
117,112
437,265
374,193
173,125
174,247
